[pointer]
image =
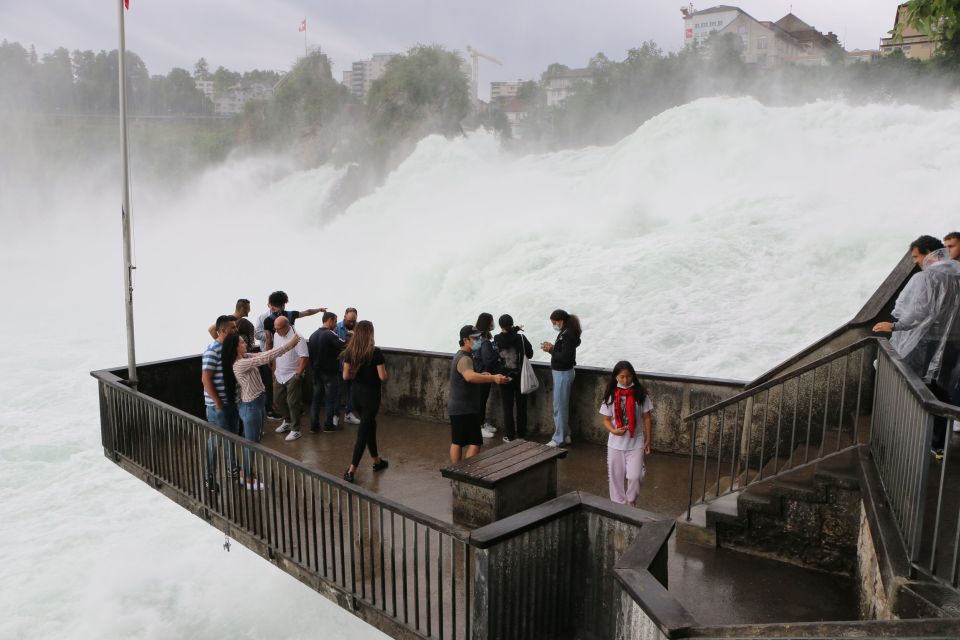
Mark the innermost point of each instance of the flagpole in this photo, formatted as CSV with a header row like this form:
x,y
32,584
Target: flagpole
x,y
125,210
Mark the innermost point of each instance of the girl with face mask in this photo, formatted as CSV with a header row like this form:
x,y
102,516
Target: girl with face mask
x,y
625,406
563,359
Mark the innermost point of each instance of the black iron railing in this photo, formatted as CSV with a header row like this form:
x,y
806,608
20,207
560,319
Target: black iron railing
x,y
415,569
792,421
923,493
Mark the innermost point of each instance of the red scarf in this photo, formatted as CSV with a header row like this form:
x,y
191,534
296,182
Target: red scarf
x,y
630,408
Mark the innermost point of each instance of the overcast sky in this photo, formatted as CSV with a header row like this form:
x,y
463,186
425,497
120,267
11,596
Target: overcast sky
x,y
526,35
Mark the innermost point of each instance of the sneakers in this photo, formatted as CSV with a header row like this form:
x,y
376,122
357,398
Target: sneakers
x,y
937,454
293,435
273,415
329,428
489,427
351,418
508,439
348,476
336,420
956,426
316,429
487,433
211,485
284,427
254,485
380,466
552,443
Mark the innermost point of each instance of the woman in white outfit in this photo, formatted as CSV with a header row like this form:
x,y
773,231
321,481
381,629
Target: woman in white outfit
x,y
626,412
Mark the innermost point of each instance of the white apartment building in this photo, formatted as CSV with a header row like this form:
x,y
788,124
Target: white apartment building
x,y
363,73
698,25
503,91
560,85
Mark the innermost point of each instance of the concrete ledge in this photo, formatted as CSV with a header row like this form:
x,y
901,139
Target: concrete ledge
x,y
494,533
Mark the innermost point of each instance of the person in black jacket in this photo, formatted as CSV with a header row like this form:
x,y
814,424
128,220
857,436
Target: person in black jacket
x,y
563,359
325,347
485,360
512,345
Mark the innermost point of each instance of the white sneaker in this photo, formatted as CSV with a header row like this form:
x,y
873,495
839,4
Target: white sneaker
x,y
293,435
487,433
336,420
956,426
352,419
551,443
489,427
255,485
284,427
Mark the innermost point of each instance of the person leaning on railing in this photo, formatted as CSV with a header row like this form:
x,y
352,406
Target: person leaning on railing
x,y
926,331
241,369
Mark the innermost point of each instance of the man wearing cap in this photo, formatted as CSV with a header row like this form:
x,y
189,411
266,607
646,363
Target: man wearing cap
x,y
463,398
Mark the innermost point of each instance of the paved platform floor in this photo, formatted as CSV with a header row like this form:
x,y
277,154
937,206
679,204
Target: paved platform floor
x,y
417,450
718,586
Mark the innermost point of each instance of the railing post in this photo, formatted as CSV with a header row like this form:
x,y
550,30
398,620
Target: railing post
x,y
693,444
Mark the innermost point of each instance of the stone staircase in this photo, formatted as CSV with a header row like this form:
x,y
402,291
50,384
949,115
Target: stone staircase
x,y
809,516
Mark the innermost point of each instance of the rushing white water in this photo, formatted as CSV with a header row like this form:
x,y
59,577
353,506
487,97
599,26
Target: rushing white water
x,y
716,240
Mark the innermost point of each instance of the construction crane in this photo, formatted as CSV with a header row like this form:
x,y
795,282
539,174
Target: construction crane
x,y
475,56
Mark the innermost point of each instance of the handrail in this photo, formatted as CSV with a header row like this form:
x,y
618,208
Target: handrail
x,y
785,377
916,385
112,380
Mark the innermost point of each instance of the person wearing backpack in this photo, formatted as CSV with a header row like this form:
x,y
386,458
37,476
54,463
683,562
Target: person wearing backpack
x,y
512,345
485,360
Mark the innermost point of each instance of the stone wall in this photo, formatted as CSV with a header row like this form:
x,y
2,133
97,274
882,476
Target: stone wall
x,y
419,380
874,603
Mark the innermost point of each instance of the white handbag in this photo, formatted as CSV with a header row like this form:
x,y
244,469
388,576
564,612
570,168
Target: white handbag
x,y
528,377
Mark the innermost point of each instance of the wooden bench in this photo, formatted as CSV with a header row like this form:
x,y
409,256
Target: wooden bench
x,y
502,481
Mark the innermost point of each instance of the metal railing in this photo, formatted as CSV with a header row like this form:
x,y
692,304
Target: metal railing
x,y
923,493
790,422
412,568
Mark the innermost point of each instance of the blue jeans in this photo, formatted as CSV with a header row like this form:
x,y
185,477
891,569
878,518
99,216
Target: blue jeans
x,y
253,414
227,419
562,386
326,392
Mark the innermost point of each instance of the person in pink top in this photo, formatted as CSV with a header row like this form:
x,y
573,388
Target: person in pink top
x,y
244,385
626,412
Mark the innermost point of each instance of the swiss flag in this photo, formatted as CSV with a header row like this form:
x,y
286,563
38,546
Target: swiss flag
x,y
303,24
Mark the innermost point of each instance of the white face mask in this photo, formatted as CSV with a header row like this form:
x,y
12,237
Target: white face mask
x,y
624,386
556,328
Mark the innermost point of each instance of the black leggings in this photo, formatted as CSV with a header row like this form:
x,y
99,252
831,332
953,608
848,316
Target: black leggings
x,y
367,405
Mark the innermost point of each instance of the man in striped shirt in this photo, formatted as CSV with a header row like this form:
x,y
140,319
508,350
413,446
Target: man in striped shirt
x,y
220,411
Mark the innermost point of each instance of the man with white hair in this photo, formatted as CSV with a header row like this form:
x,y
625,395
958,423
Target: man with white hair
x,y
288,378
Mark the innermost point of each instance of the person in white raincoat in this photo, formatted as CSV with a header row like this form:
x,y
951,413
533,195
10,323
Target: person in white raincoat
x,y
926,333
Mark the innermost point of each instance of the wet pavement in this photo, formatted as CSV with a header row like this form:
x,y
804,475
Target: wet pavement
x,y
417,450
718,586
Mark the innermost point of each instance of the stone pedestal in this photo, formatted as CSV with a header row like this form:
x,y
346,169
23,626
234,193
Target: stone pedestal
x,y
503,481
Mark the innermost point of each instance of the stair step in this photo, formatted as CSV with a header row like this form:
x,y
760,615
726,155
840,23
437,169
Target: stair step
x,y
695,531
724,509
762,498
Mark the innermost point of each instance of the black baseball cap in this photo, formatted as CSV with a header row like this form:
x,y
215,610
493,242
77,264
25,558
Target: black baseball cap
x,y
469,331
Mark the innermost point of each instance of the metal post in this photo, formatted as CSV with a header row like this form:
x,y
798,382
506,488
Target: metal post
x,y
125,206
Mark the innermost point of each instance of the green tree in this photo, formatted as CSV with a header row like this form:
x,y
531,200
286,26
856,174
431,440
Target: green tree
x,y
201,70
938,19
421,92
223,79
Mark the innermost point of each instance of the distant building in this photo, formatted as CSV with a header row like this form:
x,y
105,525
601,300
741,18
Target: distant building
x,y
765,43
814,47
363,73
858,55
914,45
232,101
516,112
560,85
504,91
699,25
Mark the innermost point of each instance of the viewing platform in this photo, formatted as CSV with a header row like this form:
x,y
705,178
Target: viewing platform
x,y
804,504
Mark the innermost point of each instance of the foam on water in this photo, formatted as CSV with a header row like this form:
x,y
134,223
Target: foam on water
x,y
716,240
